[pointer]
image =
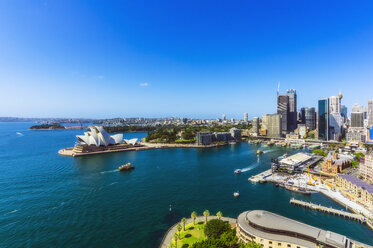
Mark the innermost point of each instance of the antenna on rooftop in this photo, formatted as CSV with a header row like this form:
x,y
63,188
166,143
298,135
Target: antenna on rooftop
x,y
278,88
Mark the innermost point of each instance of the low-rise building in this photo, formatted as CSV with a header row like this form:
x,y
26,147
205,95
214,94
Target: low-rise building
x,y
334,164
275,231
366,168
358,188
357,134
295,162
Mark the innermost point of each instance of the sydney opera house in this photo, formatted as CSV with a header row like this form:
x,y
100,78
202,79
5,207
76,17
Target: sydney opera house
x,y
97,136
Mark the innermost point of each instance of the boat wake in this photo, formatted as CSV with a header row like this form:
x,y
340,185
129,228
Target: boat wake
x,y
11,212
249,168
19,133
267,151
113,183
110,171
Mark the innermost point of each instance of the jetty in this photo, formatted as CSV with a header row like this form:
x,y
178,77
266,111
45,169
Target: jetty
x,y
261,178
328,210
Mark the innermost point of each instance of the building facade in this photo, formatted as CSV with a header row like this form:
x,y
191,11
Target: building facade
x,y
283,109
366,168
356,134
255,126
235,133
310,118
292,118
204,138
358,188
370,113
357,119
323,119
333,165
273,124
270,230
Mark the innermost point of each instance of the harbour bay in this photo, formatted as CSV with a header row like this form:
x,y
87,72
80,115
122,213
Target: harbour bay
x,y
55,201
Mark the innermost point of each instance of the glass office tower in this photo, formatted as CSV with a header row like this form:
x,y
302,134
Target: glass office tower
x,y
323,115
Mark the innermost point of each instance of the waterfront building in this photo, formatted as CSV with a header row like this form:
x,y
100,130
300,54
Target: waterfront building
x,y
333,164
222,136
292,117
97,136
323,119
275,231
235,133
204,138
255,126
245,117
273,124
356,134
283,110
366,168
370,113
294,163
357,119
358,188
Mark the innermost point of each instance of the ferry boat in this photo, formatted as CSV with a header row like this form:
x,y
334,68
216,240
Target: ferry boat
x,y
258,152
236,194
238,171
126,167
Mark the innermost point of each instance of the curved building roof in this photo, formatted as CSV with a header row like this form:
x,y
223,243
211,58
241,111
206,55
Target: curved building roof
x,y
98,136
275,227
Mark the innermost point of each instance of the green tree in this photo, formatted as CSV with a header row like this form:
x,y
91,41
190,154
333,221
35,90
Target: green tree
x,y
214,228
209,243
206,213
183,220
179,228
219,214
194,216
319,152
175,238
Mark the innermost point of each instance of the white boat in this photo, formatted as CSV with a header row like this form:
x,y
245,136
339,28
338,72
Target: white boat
x,y
238,171
236,194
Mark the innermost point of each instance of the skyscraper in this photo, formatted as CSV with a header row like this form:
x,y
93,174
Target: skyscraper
x,y
283,110
310,118
370,113
344,112
323,118
224,117
246,117
292,117
273,124
357,119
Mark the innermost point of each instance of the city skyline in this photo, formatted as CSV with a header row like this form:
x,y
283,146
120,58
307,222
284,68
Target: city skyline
x,y
124,60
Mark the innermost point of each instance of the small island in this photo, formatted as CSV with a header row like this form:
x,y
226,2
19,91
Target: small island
x,y
53,126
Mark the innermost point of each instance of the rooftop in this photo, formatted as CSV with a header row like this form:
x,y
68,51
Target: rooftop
x,y
272,221
357,182
296,158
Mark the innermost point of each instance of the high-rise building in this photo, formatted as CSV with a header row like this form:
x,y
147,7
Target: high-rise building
x,y
224,117
292,117
283,110
255,123
273,124
356,108
310,118
245,117
357,119
344,112
323,119
335,118
370,113
335,104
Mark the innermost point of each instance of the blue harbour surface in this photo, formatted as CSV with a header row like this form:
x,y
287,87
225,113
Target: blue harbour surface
x,y
52,201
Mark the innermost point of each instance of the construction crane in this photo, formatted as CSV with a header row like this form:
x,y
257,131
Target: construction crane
x,y
309,175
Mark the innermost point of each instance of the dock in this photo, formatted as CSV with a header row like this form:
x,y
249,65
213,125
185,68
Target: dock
x,y
328,210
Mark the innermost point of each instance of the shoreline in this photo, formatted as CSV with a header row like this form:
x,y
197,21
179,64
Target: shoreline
x,y
79,150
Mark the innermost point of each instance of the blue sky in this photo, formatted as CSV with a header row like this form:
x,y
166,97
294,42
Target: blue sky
x,y
105,59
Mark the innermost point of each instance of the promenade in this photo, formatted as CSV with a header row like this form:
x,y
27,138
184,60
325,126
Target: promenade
x,y
172,230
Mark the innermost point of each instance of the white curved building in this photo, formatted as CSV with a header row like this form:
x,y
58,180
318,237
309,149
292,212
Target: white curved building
x,y
97,136
131,141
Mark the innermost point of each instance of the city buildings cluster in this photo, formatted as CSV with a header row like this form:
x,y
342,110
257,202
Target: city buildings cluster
x,y
330,121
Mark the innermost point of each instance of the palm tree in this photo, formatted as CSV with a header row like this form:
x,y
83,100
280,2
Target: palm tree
x,y
206,213
194,216
178,227
184,221
175,238
219,214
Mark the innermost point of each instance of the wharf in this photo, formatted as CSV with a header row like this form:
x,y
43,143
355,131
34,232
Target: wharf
x,y
328,210
261,178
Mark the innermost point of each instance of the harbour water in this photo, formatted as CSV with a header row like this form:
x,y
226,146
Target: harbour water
x,y
52,201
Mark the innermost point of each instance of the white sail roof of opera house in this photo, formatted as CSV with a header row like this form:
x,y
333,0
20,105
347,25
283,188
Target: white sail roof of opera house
x,y
131,141
98,136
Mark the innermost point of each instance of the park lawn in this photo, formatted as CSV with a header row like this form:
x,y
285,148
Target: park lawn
x,y
192,234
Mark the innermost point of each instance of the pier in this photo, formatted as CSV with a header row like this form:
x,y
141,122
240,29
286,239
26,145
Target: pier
x,y
333,211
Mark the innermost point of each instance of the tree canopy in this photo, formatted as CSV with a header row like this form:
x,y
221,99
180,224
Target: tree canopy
x,y
215,227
